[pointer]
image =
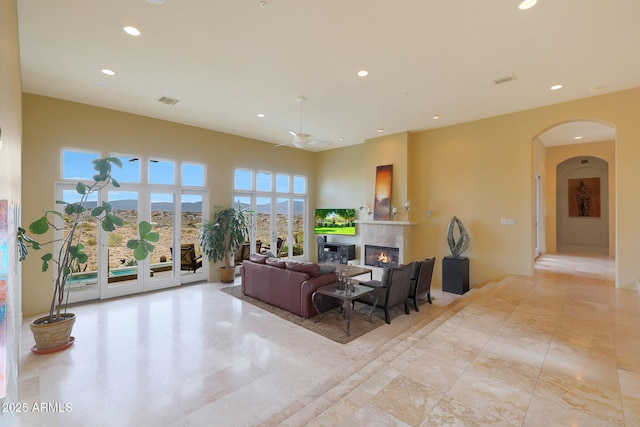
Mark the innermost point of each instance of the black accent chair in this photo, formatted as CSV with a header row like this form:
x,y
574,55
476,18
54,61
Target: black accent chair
x,y
392,290
421,276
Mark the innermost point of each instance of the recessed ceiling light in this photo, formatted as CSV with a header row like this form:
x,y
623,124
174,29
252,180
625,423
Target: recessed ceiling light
x,y
260,115
155,1
363,73
527,4
436,116
556,87
108,72
380,130
132,31
577,137
341,138
263,4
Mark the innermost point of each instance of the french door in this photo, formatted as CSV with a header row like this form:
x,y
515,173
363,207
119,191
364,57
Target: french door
x,y
112,270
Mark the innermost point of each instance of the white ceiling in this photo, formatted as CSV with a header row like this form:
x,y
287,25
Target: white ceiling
x,y
228,60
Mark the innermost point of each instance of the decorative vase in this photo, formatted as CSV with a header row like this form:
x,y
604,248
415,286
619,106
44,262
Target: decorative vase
x,y
52,337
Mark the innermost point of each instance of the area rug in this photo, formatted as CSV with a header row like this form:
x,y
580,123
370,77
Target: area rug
x,y
330,324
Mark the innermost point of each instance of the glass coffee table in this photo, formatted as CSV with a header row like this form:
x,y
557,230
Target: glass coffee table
x,y
337,290
352,270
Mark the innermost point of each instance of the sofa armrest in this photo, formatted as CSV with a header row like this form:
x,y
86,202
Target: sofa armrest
x,y
309,286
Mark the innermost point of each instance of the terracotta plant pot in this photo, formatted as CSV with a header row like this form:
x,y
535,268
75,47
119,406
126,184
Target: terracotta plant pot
x,y
52,337
227,275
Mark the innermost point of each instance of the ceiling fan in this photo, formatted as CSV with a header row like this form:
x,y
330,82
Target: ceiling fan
x,y
300,139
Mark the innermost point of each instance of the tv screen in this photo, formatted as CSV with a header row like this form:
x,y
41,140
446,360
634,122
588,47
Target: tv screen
x,y
336,221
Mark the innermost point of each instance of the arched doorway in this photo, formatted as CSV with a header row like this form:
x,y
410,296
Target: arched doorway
x,y
563,153
582,205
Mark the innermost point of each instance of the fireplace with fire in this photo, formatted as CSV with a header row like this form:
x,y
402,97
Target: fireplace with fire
x,y
381,256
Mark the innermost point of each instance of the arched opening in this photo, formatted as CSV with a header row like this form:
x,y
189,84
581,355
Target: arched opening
x,y
566,155
582,205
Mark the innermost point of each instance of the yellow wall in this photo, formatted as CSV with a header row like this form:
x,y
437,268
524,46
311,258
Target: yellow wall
x,y
482,171
556,155
50,124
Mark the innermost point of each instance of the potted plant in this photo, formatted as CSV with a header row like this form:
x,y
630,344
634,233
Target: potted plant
x,y
53,332
223,236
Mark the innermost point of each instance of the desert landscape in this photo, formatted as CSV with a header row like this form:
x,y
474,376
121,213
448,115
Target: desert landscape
x,y
120,255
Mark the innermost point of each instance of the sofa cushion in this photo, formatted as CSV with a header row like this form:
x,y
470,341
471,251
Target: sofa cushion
x,y
260,259
311,268
275,262
327,268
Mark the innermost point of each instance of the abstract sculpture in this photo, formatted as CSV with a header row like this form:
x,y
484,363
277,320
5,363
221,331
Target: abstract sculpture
x,y
457,248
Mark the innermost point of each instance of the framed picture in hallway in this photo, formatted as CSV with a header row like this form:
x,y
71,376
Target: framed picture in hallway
x,y
584,197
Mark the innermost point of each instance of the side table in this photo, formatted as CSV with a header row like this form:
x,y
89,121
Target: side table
x,y
346,297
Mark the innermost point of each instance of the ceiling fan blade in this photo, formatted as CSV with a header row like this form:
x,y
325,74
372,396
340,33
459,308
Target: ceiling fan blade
x,y
285,144
319,141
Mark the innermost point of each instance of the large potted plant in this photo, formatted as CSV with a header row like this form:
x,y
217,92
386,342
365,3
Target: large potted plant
x,y
223,236
53,331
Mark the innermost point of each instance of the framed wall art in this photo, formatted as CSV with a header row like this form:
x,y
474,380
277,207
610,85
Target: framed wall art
x,y
584,197
382,202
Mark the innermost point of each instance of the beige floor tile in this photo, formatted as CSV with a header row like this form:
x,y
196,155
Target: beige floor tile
x,y
559,348
592,400
406,400
492,396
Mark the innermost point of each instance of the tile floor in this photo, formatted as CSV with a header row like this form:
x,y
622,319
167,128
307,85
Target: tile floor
x,y
561,348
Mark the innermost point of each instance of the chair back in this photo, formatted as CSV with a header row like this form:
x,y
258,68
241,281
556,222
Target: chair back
x,y
280,246
399,285
425,274
243,253
187,254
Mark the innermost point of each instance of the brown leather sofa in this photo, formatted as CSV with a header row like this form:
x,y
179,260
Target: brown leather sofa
x,y
286,284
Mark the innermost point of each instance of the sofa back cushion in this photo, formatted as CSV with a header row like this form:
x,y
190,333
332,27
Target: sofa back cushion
x,y
260,259
276,262
327,268
311,268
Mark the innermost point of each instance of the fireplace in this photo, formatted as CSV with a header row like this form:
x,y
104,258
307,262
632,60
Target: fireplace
x,y
381,256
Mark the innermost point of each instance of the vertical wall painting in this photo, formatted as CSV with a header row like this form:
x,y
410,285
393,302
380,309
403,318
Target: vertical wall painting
x,y
4,265
382,202
584,197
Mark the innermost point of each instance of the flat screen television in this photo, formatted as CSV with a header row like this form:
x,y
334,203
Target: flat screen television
x,y
336,221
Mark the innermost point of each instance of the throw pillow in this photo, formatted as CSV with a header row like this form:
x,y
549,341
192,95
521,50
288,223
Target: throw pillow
x,y
311,268
257,258
276,262
327,268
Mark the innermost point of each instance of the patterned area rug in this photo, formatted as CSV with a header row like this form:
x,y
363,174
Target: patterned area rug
x,y
330,324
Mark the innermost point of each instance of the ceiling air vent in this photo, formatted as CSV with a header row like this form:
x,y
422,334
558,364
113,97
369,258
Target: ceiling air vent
x,y
505,79
167,100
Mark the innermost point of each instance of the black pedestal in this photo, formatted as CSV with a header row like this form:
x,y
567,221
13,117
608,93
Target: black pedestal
x,y
455,275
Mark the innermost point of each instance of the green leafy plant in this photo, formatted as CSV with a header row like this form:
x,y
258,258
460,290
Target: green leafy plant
x,y
71,253
221,237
